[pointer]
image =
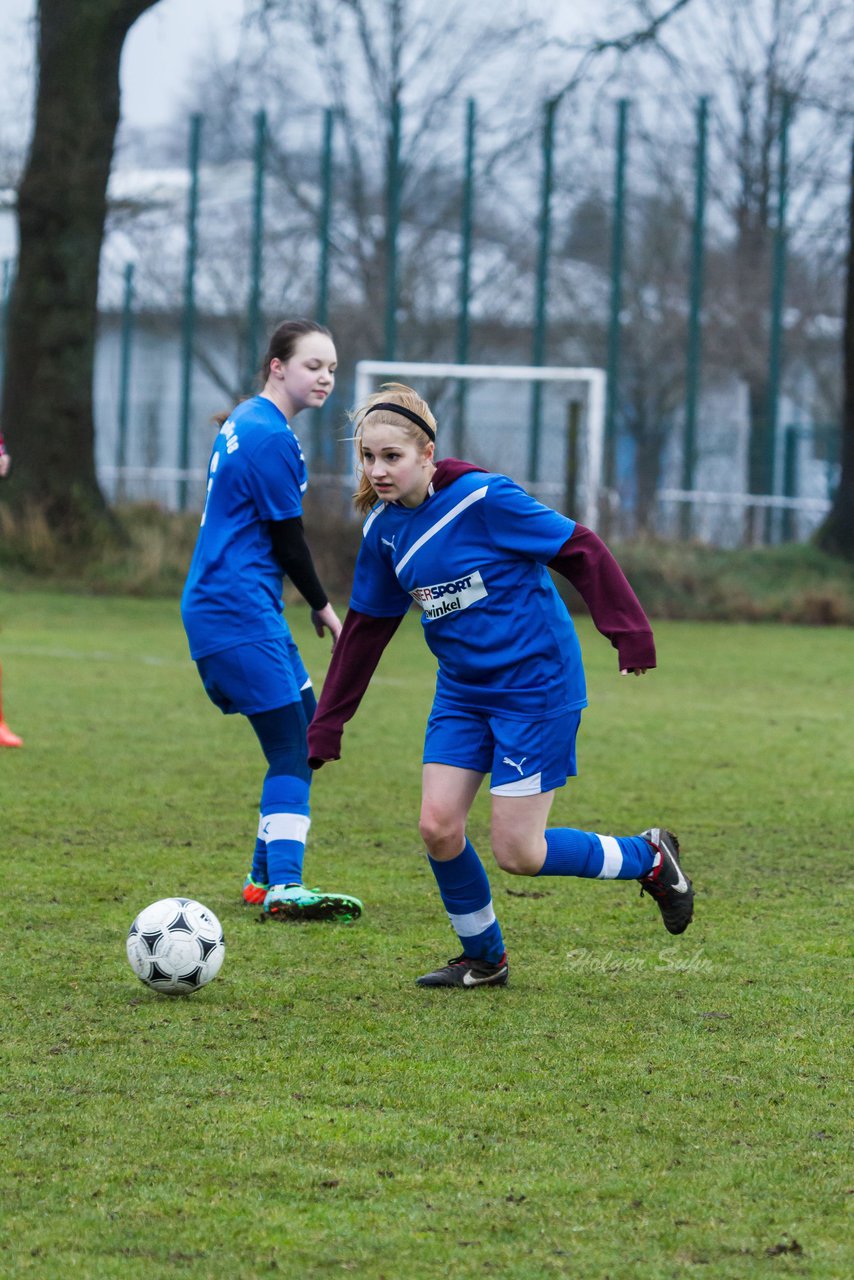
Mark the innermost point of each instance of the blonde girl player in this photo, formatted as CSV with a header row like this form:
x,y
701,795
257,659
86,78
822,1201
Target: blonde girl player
x,y
471,548
251,535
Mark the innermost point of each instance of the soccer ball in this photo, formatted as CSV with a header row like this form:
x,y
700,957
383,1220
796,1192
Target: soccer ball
x,y
176,946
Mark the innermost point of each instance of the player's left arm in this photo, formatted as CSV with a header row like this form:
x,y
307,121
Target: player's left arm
x,y
586,562
354,660
293,554
276,477
523,526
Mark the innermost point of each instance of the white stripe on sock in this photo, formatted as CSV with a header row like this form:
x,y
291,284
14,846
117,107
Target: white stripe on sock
x,y
612,864
284,826
470,925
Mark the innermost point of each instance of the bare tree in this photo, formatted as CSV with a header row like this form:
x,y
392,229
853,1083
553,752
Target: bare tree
x,y
772,67
756,61
652,307
654,357
837,533
47,395
366,61
767,62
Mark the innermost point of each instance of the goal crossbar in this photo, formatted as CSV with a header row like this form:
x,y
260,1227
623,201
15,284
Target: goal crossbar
x,y
593,402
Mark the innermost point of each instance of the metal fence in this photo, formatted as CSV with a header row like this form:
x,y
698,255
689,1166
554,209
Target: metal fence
x,y
157,383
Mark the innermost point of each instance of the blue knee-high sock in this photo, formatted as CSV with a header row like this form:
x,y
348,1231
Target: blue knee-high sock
x,y
284,826
284,822
465,892
584,853
259,857
309,702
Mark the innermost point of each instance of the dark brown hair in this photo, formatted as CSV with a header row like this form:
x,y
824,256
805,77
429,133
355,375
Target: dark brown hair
x,y
282,345
283,342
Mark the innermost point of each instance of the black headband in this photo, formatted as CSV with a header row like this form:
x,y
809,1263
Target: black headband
x,y
407,413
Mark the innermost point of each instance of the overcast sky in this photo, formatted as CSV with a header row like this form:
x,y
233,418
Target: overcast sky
x,y
158,55
165,44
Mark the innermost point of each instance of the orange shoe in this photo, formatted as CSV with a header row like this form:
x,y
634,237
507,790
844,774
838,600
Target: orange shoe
x,y
254,892
8,738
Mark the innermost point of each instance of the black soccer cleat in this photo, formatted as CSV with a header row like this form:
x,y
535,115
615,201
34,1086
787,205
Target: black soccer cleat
x,y
467,972
667,882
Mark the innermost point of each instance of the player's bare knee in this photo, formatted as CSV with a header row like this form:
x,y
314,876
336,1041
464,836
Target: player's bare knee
x,y
443,835
514,856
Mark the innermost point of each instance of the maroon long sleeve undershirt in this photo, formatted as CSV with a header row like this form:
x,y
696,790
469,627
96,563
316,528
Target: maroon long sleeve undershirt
x,y
586,562
583,560
354,660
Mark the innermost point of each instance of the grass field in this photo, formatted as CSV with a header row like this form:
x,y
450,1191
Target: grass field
x,y
632,1106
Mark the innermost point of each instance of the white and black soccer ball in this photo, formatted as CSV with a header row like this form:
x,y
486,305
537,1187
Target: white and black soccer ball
x,y
176,946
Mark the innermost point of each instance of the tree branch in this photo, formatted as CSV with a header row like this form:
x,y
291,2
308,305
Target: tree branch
x,y
637,39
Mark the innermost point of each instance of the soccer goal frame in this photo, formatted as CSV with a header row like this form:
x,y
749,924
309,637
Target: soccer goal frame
x,y
591,401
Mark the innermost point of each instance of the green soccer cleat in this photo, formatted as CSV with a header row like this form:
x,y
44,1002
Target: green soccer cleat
x,y
295,902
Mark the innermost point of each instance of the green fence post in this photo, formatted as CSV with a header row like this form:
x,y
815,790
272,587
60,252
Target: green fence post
x,y
790,479
322,310
538,346
466,222
778,292
617,241
573,438
253,319
189,309
124,380
692,373
392,225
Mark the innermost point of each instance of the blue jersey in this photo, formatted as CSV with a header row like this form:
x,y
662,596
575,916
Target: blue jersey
x,y
233,592
472,556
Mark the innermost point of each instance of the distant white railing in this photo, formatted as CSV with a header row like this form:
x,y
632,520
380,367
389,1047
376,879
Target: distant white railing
x,y
743,500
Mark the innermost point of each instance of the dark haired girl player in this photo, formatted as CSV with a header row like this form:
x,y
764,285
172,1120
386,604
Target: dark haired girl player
x,y
251,535
471,549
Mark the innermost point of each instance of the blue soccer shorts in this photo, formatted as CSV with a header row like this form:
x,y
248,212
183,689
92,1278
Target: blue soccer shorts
x,y
524,757
249,678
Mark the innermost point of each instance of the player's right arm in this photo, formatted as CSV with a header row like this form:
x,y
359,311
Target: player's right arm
x,y
354,661
377,605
